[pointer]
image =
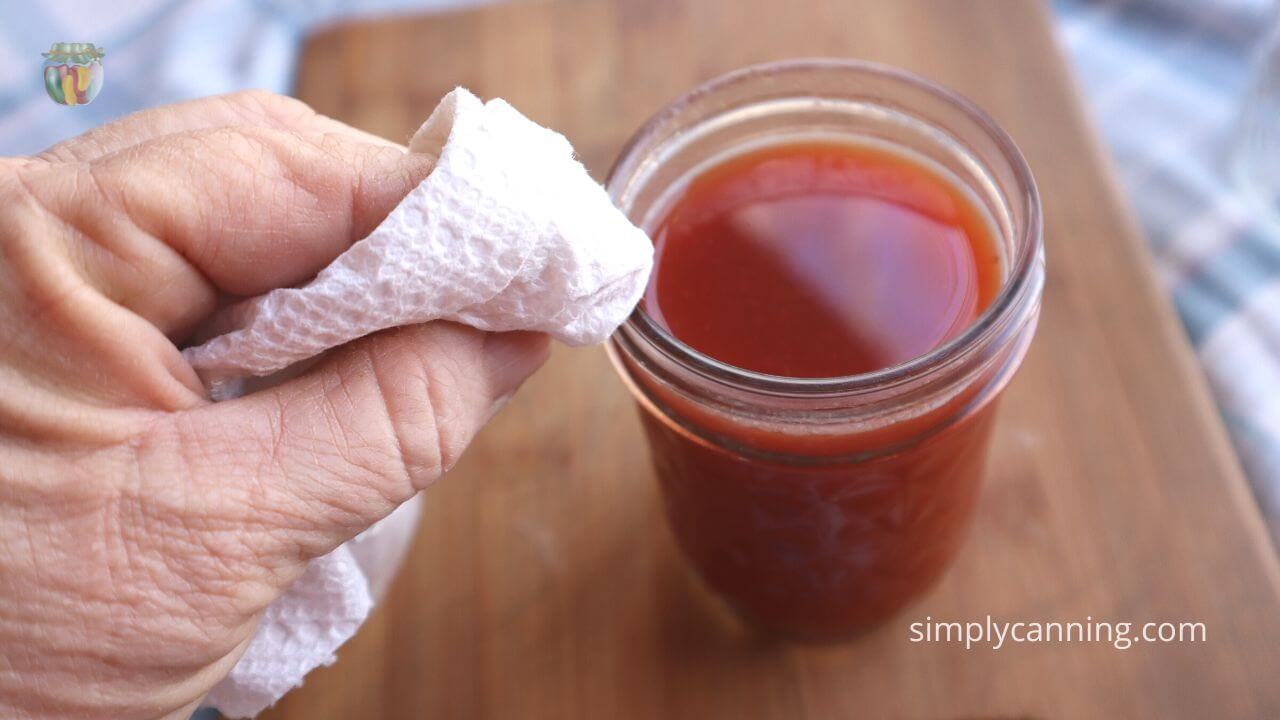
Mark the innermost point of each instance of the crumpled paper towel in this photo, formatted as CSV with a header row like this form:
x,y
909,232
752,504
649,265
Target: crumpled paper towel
x,y
508,232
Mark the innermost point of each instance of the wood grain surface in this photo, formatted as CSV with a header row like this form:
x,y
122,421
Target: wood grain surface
x,y
544,583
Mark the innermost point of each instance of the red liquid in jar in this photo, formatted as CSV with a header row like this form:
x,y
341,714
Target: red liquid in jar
x,y
820,260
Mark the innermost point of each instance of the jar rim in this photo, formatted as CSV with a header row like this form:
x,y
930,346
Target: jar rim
x,y
1020,280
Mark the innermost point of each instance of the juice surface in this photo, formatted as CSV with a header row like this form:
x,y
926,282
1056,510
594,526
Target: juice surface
x,y
821,260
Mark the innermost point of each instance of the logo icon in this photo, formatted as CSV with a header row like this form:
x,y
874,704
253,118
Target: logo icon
x,y
73,73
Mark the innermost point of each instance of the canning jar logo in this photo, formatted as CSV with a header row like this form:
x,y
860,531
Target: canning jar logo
x,y
73,73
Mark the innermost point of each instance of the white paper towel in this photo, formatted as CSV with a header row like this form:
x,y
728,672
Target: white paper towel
x,y
508,232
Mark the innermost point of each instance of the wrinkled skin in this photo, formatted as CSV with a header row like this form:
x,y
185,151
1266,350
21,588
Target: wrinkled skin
x,y
142,528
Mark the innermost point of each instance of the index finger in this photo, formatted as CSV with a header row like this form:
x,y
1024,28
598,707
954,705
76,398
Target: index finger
x,y
248,107
163,227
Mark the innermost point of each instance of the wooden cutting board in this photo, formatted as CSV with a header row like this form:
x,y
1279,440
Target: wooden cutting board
x,y
544,583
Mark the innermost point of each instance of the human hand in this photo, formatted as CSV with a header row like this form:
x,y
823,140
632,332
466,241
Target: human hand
x,y
142,528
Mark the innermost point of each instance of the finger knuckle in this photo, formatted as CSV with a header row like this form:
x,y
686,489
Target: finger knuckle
x,y
33,244
407,398
446,380
425,387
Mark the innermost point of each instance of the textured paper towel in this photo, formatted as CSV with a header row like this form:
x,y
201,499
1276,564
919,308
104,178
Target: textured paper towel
x,y
322,610
508,232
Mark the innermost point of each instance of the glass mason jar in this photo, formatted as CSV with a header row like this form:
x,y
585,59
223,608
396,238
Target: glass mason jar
x,y
819,506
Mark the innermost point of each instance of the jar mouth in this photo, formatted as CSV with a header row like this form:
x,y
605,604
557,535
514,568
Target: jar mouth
x,y
640,327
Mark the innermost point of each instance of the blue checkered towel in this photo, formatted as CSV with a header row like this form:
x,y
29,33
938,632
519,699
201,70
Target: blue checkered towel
x,y
1165,80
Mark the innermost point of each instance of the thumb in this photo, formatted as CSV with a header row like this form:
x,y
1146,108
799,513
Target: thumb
x,y
304,466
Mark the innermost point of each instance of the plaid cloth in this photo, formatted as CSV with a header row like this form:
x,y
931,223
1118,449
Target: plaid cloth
x,y
1166,80
157,52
